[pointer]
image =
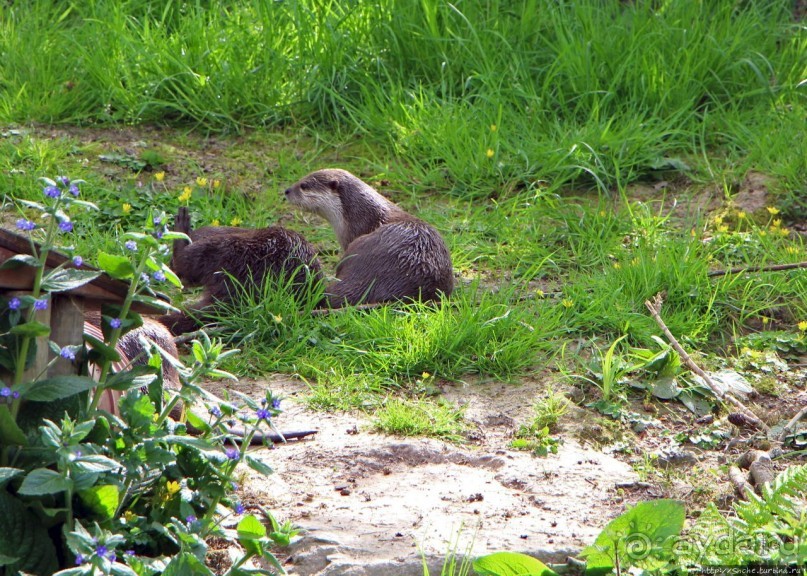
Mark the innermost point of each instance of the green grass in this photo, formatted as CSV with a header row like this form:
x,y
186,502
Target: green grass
x,y
549,142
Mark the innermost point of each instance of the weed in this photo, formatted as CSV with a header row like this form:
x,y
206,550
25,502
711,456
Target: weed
x,y
420,417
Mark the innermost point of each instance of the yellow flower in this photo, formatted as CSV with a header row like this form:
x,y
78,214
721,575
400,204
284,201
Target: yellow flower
x,y
602,213
277,318
773,210
777,223
172,487
159,176
540,293
186,194
792,250
493,127
235,221
718,220
763,233
617,265
567,303
128,516
634,262
216,183
723,228
784,232
201,181
765,320
741,215
803,325
425,375
126,207
490,153
215,222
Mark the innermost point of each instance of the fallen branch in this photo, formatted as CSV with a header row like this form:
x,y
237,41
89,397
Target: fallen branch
x,y
655,310
771,268
741,485
790,426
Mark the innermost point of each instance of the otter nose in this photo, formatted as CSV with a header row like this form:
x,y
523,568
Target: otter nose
x,y
287,191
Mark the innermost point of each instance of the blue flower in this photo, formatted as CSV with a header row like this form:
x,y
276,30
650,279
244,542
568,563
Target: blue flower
x,y
239,508
78,261
129,552
157,220
41,304
52,192
232,453
158,234
159,276
115,322
262,414
73,190
5,391
190,519
66,226
14,304
63,180
79,559
25,225
67,354
215,411
111,556
144,278
275,403
15,394
101,550
130,245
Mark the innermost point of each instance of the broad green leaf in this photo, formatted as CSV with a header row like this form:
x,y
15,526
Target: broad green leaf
x,y
258,465
185,564
197,422
10,433
103,500
135,377
19,260
95,463
511,564
31,204
7,474
637,537
250,528
56,388
116,266
31,329
43,481
100,350
68,279
23,536
156,302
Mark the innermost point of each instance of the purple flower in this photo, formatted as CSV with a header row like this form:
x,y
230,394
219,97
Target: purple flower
x,y
159,276
215,411
130,245
25,225
144,278
79,559
115,322
73,190
262,414
52,192
275,403
15,394
78,261
5,391
14,304
41,304
67,354
63,180
129,552
111,556
234,486
190,519
78,453
239,508
158,234
157,220
101,550
66,226
232,453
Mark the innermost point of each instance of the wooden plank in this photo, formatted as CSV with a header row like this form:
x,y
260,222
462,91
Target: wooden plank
x,y
66,328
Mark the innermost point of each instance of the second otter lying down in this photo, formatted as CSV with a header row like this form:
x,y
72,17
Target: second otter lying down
x,y
388,254
218,254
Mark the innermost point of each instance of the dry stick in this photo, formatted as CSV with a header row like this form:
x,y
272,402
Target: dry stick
x,y
655,309
792,424
771,268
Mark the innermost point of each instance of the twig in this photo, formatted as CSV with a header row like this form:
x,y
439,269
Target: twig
x,y
740,483
790,426
771,268
188,336
655,309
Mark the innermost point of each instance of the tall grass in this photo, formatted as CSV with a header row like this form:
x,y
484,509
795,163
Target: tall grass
x,y
492,93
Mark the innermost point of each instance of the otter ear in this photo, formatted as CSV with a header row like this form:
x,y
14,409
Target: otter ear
x,y
333,184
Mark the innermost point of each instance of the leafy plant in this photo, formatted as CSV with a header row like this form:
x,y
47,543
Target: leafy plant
x,y
125,494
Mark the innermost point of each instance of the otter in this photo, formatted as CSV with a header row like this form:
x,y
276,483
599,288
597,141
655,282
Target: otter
x,y
388,254
219,254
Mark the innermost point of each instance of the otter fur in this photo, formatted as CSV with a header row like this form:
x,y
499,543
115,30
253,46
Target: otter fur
x,y
219,254
388,254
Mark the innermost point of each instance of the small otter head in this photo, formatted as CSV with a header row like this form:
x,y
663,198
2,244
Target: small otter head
x,y
351,206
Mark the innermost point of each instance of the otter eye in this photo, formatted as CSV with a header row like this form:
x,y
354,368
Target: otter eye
x,y
304,186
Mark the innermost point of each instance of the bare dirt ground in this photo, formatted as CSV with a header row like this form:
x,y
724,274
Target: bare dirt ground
x,y
375,504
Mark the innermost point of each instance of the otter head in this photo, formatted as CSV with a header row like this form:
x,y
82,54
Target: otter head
x,y
352,207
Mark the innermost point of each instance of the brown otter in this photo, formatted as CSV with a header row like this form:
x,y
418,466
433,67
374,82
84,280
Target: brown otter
x,y
388,254
218,254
